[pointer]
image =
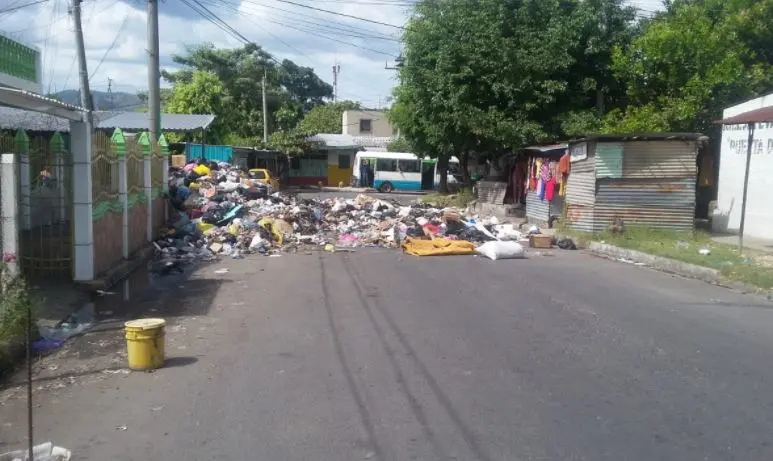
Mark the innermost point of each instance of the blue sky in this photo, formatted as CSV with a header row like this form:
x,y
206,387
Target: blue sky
x,y
115,34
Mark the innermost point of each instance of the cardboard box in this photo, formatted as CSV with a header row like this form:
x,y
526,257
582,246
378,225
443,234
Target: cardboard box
x,y
178,161
541,241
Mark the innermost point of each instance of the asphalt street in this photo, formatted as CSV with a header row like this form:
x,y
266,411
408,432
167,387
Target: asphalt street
x,y
376,355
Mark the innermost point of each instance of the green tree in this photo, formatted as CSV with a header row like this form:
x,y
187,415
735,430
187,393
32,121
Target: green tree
x,y
289,87
491,76
399,145
692,61
203,93
326,118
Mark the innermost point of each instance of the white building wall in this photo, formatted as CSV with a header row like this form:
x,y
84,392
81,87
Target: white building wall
x,y
732,165
379,123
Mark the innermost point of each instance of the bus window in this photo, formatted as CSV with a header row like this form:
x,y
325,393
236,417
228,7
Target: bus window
x,y
409,166
386,164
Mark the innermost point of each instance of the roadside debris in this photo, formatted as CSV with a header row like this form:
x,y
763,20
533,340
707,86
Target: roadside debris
x,y
42,452
221,211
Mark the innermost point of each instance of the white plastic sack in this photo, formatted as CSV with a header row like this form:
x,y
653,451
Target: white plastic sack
x,y
501,250
507,232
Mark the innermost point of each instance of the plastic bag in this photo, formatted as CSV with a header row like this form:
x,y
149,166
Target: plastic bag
x,y
495,250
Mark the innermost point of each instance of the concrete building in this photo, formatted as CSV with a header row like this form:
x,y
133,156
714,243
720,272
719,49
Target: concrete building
x,y
726,217
367,123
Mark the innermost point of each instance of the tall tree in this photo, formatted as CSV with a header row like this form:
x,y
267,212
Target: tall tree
x,y
290,87
692,61
326,118
203,93
492,75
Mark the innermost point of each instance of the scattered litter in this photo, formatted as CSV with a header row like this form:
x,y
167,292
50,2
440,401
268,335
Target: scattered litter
x,y
502,250
220,210
105,293
42,452
121,428
53,367
158,408
122,371
704,252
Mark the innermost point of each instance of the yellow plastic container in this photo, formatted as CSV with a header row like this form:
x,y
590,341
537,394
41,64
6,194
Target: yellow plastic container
x,y
145,343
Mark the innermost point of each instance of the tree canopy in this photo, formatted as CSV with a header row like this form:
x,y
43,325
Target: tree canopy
x,y
292,90
487,75
691,62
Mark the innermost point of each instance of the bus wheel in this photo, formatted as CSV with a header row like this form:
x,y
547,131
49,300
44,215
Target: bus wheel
x,y
386,187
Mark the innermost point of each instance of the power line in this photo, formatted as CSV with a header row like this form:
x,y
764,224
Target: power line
x,y
112,45
296,15
317,35
323,36
351,31
341,14
14,8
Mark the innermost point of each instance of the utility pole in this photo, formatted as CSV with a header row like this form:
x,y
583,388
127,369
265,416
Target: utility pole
x,y
154,73
110,92
265,110
336,71
83,72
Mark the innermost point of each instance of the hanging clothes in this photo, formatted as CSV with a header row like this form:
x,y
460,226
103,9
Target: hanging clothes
x,y
550,189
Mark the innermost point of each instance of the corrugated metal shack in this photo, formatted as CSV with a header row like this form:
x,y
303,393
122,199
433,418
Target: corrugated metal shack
x,y
646,180
538,209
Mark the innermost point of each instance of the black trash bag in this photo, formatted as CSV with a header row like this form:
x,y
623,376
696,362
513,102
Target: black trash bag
x,y
213,216
566,244
222,179
218,198
455,227
472,234
415,231
254,193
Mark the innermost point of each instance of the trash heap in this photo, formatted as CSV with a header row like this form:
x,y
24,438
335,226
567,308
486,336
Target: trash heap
x,y
218,210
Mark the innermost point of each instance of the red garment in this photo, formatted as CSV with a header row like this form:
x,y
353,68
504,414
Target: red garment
x,y
563,164
550,189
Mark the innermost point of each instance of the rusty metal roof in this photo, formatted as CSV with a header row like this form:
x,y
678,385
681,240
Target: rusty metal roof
x,y
615,137
753,116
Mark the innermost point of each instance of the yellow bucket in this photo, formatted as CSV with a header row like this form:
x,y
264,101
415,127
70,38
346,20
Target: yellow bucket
x,y
145,343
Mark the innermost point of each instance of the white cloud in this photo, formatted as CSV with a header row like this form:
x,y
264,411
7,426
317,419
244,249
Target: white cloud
x,y
49,27
363,77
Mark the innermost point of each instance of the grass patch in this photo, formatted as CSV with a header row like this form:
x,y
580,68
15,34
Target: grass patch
x,y
752,267
459,199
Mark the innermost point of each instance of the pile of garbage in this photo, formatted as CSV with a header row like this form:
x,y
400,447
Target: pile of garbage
x,y
219,210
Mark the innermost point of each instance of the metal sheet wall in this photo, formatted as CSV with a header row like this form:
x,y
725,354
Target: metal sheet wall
x,y
656,203
536,208
492,192
580,217
660,159
581,187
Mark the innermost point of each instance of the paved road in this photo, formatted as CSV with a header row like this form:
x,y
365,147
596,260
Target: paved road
x,y
375,355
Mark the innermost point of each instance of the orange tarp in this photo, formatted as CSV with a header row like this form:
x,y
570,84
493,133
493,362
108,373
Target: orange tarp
x,y
438,247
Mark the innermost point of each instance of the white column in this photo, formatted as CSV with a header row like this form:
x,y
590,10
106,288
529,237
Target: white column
x,y
26,190
83,221
148,181
123,196
9,213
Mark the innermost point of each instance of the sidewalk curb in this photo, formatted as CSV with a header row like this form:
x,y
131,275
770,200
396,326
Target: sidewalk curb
x,y
660,263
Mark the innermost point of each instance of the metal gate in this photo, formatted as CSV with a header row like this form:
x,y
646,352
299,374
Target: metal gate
x,y
45,206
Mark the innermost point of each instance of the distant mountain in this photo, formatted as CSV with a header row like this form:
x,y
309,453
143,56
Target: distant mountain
x,y
120,101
